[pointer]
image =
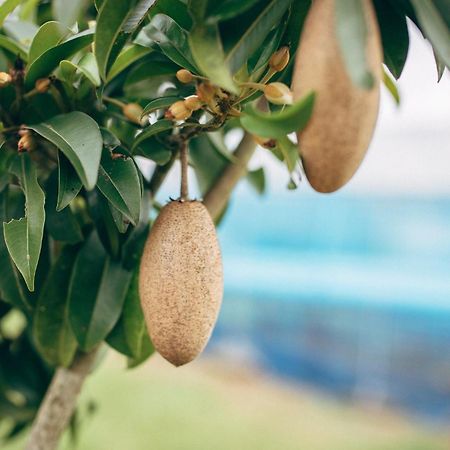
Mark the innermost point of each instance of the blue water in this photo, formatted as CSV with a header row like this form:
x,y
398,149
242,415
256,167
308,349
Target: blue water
x,y
349,294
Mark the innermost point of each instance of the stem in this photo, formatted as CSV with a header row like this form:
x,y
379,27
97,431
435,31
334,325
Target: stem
x,y
217,197
184,190
114,101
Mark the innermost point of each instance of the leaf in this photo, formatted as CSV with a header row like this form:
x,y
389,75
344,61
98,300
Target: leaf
x,y
160,103
391,87
116,21
127,57
257,180
351,30
175,9
394,34
50,59
88,67
61,225
227,9
119,182
435,27
290,153
440,66
23,237
51,329
7,7
68,11
278,124
14,47
254,35
97,291
130,335
49,35
69,184
146,143
78,136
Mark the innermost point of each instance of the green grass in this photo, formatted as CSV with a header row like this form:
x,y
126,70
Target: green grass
x,y
211,406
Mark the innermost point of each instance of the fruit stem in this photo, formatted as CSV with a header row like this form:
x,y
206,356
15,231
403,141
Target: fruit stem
x,y
184,192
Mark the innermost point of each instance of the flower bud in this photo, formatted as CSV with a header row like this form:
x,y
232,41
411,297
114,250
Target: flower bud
x,y
193,103
178,111
280,59
206,92
133,112
278,93
184,76
268,143
26,143
42,85
5,79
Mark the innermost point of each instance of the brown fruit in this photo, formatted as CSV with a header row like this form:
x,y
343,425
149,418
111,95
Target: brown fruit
x,y
181,281
335,141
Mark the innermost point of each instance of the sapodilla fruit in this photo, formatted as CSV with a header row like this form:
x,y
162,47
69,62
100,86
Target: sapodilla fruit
x,y
181,281
335,141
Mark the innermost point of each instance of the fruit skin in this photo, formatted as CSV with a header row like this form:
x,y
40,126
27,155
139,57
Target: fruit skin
x,y
181,281
335,141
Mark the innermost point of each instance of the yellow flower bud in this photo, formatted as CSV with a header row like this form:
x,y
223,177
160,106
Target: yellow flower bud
x,y
265,142
178,111
278,94
42,85
193,103
280,59
5,79
133,112
184,76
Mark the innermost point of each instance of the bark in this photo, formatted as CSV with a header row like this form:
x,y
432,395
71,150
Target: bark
x,y
217,197
59,403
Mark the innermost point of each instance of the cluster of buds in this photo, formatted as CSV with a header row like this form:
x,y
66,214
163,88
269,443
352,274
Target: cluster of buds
x,y
183,109
26,142
5,79
133,112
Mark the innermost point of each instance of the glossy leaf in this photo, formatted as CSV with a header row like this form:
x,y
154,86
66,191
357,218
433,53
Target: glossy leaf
x,y
23,237
228,9
49,35
88,67
119,182
116,21
97,291
176,9
278,124
352,32
14,47
49,60
127,57
78,136
160,103
68,11
69,183
147,144
51,329
7,7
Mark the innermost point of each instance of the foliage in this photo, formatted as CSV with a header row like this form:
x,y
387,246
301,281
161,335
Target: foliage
x,y
88,86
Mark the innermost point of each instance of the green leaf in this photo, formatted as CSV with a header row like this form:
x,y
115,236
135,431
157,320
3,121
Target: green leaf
x,y
68,11
69,184
119,182
227,9
48,36
175,9
50,59
88,67
352,32
7,7
435,27
391,87
147,144
23,237
253,37
127,57
130,335
160,103
62,225
14,47
394,35
51,329
97,291
290,153
116,21
257,180
278,124
78,136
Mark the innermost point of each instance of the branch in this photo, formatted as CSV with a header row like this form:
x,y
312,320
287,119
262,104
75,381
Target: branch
x,y
59,403
217,197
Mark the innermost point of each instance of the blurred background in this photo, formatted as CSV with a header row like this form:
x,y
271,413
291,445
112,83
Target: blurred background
x,y
335,327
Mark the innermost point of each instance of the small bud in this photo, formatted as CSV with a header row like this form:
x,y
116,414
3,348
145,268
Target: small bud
x,y
42,85
193,103
133,112
206,92
26,144
178,111
278,93
5,79
280,59
184,76
265,142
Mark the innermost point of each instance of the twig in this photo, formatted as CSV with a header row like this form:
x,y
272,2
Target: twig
x,y
184,188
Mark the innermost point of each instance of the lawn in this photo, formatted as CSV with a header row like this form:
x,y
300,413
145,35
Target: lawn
x,y
210,405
